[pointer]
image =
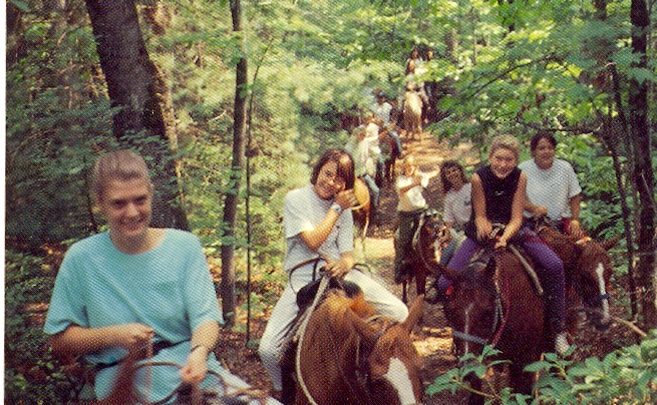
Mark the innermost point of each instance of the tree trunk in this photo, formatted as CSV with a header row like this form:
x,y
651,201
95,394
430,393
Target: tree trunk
x,y
138,93
643,173
230,204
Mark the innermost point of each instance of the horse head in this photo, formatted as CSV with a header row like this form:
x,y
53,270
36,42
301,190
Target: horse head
x,y
591,280
392,366
472,307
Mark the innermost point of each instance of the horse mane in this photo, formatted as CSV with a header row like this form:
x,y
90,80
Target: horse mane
x,y
563,245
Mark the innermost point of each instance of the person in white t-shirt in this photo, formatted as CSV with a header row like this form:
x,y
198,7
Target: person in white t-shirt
x,y
457,209
552,186
410,184
382,109
317,222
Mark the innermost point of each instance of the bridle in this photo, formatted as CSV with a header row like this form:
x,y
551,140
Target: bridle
x,y
500,318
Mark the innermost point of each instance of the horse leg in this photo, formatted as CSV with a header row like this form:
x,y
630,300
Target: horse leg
x,y
420,282
521,381
475,384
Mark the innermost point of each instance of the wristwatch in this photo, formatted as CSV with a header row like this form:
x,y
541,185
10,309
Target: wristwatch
x,y
337,208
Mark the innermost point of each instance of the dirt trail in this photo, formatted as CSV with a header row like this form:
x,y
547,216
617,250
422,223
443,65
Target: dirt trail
x,y
433,339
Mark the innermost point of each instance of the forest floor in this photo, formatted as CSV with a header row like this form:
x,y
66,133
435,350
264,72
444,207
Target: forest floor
x,y
433,338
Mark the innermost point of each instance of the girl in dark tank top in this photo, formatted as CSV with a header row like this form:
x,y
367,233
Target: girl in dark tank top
x,y
498,196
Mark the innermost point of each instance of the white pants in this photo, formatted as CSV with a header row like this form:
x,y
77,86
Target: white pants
x,y
285,311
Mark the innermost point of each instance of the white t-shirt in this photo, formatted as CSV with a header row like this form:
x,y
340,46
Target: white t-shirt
x,y
552,188
383,111
303,211
412,199
458,205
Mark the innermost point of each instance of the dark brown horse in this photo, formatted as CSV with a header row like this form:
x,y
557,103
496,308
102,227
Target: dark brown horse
x,y
588,271
425,252
496,303
344,359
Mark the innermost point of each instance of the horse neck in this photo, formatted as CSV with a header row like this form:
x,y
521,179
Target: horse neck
x,y
521,304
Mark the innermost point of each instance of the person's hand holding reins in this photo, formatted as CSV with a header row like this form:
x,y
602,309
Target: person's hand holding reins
x,y
194,371
539,211
346,199
575,229
337,268
132,335
484,228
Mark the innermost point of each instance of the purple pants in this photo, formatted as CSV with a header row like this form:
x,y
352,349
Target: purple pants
x,y
549,270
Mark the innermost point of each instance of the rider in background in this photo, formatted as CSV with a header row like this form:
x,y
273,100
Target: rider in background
x,y
135,288
498,196
456,213
552,186
318,223
365,165
410,184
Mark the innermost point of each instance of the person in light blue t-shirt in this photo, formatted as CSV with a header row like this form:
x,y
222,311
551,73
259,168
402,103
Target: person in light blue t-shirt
x,y
136,287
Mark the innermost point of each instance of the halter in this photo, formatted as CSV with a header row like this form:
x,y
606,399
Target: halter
x,y
499,319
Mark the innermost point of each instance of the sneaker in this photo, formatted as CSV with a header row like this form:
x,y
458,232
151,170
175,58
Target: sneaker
x,y
561,344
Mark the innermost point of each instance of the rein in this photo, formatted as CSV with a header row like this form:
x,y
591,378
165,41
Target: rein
x,y
301,333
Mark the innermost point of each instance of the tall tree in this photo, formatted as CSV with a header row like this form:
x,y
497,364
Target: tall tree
x,y
230,203
138,92
643,173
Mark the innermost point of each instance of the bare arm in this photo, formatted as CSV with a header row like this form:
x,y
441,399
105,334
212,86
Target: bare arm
x,y
575,228
315,237
204,338
517,207
77,340
535,210
484,226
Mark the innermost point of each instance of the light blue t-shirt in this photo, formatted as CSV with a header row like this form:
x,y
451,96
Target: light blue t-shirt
x,y
168,288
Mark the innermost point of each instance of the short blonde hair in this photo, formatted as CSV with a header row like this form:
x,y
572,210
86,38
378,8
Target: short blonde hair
x,y
117,165
507,142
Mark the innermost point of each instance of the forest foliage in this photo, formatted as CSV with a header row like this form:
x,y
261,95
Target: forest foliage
x,y
501,66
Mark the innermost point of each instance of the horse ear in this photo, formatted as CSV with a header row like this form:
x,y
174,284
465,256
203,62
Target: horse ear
x,y
610,243
366,331
414,313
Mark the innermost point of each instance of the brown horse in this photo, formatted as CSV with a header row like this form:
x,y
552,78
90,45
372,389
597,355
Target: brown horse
x,y
495,303
344,359
588,271
425,252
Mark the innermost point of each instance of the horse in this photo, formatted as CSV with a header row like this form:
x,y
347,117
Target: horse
x,y
345,359
412,112
361,212
496,303
425,251
391,153
588,271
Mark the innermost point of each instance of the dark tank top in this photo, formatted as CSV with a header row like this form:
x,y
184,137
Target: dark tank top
x,y
499,198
